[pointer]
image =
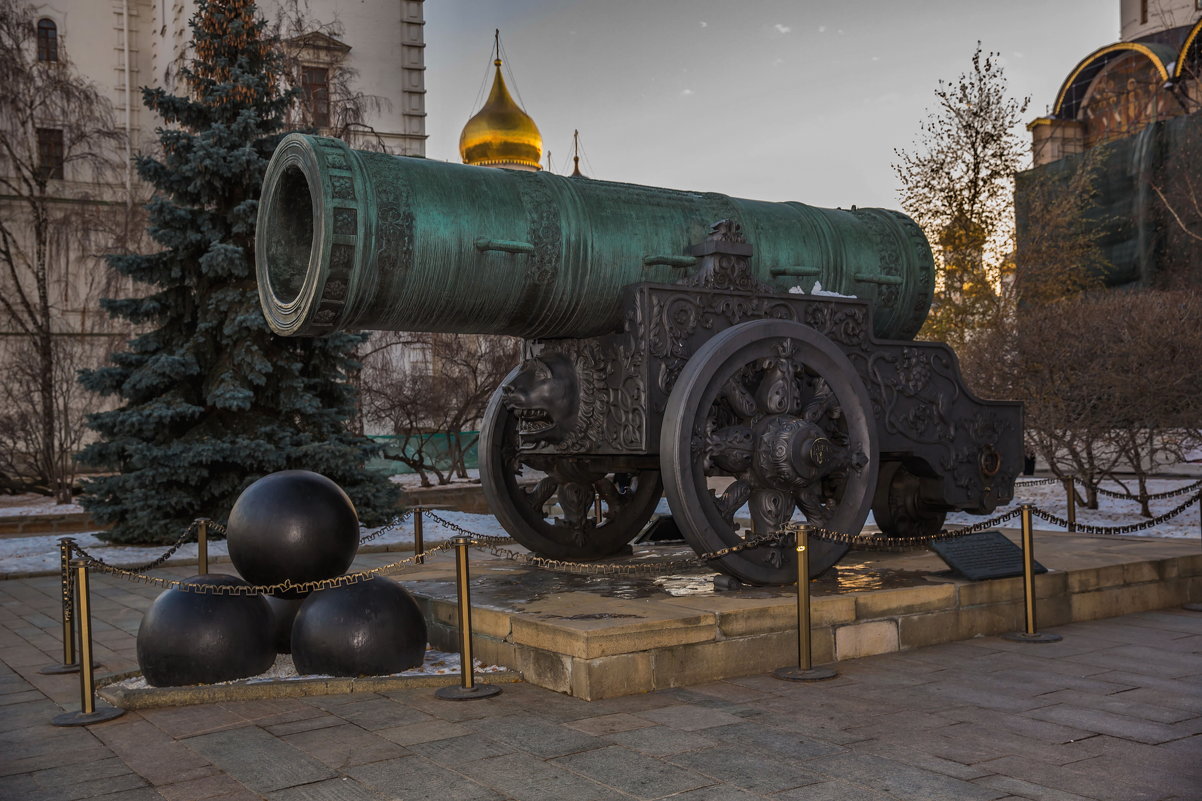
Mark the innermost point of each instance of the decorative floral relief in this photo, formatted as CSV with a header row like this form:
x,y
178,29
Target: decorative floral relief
x,y
394,227
544,228
345,222
342,187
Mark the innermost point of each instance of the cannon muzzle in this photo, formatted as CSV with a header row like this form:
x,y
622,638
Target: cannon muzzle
x,y
356,240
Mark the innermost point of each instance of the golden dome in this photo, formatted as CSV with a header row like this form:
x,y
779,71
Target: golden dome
x,y
501,134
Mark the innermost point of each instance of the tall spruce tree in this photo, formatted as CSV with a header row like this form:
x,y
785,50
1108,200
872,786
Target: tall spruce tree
x,y
212,400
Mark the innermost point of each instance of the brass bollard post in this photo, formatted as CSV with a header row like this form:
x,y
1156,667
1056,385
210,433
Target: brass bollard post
x,y
468,690
419,543
1030,635
202,545
805,671
1071,501
88,713
69,663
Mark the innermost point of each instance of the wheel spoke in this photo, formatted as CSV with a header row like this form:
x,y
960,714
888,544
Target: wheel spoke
x,y
779,391
770,509
608,492
732,500
729,450
812,504
821,403
576,500
741,401
538,496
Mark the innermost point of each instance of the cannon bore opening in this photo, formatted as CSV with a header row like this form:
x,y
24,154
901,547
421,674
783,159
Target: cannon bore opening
x,y
290,235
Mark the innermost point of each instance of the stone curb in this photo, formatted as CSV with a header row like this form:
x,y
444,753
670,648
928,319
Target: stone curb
x,y
249,690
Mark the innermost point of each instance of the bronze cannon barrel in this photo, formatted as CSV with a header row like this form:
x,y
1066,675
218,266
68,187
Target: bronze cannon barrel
x,y
350,239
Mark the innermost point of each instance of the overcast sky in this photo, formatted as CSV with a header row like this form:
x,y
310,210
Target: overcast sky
x,y
764,99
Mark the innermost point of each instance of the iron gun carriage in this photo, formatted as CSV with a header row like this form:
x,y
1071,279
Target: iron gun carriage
x,y
749,360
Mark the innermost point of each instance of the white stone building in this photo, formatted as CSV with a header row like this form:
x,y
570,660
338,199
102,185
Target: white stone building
x,y
123,45
383,42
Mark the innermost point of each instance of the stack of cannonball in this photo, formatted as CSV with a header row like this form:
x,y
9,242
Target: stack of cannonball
x,y
295,526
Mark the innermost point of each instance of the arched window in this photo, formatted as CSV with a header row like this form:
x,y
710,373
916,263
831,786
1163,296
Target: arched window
x,y
47,40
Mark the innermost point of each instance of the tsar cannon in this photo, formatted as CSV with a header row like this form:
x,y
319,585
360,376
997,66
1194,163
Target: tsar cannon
x,y
751,361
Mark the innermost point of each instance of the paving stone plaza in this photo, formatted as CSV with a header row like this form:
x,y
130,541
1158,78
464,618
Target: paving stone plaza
x,y
1111,713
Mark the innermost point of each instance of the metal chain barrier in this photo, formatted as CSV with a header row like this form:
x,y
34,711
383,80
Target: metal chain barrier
x,y
1084,528
876,543
495,546
97,562
1126,496
214,528
458,529
265,589
1037,482
391,525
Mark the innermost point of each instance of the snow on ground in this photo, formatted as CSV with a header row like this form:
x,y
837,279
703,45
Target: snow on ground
x,y
437,663
1110,512
40,553
411,480
39,505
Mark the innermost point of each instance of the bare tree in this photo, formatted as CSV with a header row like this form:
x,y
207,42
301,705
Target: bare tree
x,y
1112,383
58,146
314,62
431,388
1157,372
957,184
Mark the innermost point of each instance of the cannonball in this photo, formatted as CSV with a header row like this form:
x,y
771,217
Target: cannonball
x,y
196,638
371,628
293,525
284,611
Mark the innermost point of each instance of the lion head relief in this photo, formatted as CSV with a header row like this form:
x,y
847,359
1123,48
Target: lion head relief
x,y
557,400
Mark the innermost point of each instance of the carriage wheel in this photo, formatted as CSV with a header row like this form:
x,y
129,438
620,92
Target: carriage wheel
x,y
626,499
899,507
776,412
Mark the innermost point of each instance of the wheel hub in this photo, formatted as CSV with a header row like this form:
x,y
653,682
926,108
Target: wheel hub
x,y
791,453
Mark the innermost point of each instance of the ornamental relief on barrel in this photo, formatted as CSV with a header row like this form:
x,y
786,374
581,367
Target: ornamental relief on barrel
x,y
394,229
544,229
342,187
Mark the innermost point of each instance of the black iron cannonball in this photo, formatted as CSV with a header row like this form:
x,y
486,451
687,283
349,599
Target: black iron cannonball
x,y
284,611
371,628
293,525
196,638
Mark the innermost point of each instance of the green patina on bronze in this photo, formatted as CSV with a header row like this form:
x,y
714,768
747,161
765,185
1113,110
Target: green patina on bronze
x,y
356,240
664,350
